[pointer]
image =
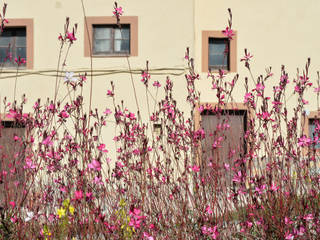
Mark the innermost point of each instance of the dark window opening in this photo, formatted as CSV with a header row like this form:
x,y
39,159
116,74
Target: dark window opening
x,y
13,44
111,40
219,54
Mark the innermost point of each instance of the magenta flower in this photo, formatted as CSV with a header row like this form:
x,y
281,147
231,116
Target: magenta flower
x,y
107,112
117,11
195,168
156,84
110,93
78,195
12,203
95,165
304,141
246,57
70,36
228,33
20,60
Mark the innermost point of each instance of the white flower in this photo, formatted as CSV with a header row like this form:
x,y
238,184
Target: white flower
x,y
30,215
69,77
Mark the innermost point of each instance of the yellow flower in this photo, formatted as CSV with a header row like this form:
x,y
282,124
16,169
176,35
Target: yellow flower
x,y
71,209
61,212
66,203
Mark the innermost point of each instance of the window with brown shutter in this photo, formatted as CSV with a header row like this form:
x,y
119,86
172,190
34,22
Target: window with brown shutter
x,y
11,157
224,141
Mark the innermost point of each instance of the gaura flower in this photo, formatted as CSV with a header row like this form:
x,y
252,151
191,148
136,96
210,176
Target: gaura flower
x,y
30,215
69,78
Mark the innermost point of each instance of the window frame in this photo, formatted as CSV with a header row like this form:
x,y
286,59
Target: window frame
x,y
28,24
206,35
132,21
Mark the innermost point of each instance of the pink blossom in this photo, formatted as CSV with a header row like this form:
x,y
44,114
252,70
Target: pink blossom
x,y
228,33
208,210
107,112
247,57
102,147
317,90
110,93
308,217
274,187
289,236
195,168
95,165
304,141
12,203
156,84
70,36
78,195
47,141
20,60
117,11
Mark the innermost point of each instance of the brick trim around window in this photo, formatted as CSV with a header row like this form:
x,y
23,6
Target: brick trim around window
x,y
28,24
88,33
205,50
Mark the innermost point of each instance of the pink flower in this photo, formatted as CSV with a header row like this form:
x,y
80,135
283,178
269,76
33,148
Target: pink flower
x,y
47,141
308,217
289,236
20,60
107,112
228,33
246,57
64,114
208,210
110,93
78,195
12,203
317,90
117,11
195,168
95,165
304,141
156,84
237,177
102,147
274,187
70,36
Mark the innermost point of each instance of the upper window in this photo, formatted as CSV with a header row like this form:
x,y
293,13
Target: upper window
x,y
218,52
111,40
13,45
16,41
104,38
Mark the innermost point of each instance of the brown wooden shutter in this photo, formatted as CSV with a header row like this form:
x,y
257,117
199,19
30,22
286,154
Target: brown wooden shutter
x,y
11,157
233,139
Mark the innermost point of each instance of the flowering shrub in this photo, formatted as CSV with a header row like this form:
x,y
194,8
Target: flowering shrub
x,y
161,186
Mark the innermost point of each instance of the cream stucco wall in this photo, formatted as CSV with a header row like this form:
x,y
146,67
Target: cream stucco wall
x,y
165,29
275,32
